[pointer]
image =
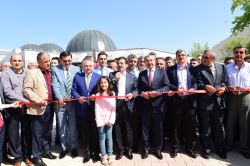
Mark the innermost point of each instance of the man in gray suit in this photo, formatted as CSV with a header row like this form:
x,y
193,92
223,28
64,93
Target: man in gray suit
x,y
62,78
211,77
124,84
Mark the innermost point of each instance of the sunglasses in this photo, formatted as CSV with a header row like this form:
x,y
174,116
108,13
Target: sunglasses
x,y
239,52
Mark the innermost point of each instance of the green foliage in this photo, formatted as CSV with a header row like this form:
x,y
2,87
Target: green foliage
x,y
248,46
198,49
228,47
243,21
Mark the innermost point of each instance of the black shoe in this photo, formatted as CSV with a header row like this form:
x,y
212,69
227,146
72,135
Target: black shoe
x,y
245,154
49,155
144,155
191,153
129,154
173,153
86,158
38,162
158,155
222,155
8,161
63,153
119,155
207,155
74,153
95,157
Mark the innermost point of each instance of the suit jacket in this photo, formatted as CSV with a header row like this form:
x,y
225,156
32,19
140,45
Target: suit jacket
x,y
35,89
59,80
160,84
131,87
205,77
1,94
173,79
79,89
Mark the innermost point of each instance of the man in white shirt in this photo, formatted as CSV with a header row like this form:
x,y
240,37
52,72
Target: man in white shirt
x,y
238,74
124,84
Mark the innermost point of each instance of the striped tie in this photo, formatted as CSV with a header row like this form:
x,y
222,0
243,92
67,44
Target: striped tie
x,y
68,83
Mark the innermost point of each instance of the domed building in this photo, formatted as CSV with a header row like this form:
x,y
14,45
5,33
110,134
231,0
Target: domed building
x,y
51,48
90,40
31,47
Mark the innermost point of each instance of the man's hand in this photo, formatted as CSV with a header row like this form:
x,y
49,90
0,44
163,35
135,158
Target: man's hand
x,y
145,95
235,90
180,92
129,97
210,88
43,103
117,76
220,91
170,93
82,99
61,101
191,91
92,97
153,94
15,105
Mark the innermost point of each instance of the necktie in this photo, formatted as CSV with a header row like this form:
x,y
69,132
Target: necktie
x,y
68,83
150,77
87,81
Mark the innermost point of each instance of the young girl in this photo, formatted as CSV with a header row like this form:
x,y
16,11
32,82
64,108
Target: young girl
x,y
105,118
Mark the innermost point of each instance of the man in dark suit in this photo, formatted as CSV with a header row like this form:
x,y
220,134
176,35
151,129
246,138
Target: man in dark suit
x,y
84,85
124,84
211,77
181,78
151,83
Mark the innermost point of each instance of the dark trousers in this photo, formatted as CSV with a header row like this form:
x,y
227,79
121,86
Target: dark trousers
x,y
19,146
152,129
124,126
137,123
212,129
2,132
183,121
238,112
87,132
41,127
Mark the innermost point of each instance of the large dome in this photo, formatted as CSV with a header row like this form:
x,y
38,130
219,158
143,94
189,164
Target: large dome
x,y
31,47
51,48
90,40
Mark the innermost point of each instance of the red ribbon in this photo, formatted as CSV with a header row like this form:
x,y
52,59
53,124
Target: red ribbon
x,y
96,97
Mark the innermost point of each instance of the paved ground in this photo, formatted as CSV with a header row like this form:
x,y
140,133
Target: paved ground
x,y
234,159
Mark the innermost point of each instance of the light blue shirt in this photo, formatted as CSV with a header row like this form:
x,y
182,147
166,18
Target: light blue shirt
x,y
102,71
238,76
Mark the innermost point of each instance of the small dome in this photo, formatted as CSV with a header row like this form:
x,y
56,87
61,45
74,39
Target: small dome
x,y
31,47
51,48
90,40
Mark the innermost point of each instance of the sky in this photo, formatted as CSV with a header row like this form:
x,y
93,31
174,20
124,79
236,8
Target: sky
x,y
165,25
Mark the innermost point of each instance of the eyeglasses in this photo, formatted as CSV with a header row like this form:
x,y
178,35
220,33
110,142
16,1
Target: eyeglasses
x,y
239,52
205,57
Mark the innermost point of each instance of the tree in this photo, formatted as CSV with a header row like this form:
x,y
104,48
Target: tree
x,y
198,49
228,47
243,21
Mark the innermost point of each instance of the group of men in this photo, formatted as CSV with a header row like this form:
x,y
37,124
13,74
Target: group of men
x,y
149,91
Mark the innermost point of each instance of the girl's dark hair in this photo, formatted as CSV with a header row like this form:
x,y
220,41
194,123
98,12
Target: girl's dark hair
x,y
110,87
